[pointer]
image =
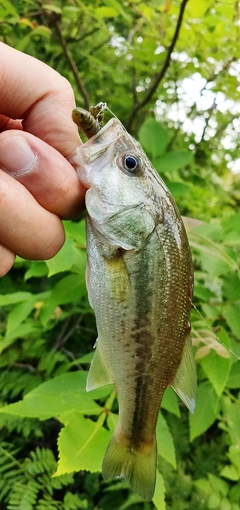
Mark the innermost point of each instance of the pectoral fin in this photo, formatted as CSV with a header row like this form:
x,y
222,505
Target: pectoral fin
x,y
99,374
185,382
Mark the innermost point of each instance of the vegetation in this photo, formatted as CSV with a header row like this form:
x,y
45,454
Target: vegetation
x,y
169,70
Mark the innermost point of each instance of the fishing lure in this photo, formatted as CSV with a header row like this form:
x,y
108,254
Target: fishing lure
x,y
89,121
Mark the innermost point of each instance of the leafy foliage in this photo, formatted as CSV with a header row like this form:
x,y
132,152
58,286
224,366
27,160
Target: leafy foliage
x,y
119,52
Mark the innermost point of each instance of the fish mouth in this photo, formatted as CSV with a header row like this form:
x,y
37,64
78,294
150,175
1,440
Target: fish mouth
x,y
99,147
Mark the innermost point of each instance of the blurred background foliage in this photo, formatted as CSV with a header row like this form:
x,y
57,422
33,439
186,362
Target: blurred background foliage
x,y
170,71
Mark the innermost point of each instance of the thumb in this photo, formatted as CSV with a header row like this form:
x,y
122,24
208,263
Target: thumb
x,y
44,172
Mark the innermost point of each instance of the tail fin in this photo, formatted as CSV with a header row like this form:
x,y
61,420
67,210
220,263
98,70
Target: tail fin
x,y
135,464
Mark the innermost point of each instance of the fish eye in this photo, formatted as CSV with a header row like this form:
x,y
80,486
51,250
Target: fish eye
x,y
131,164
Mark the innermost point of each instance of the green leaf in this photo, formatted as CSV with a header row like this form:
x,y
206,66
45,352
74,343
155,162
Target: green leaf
x,y
132,499
19,313
177,188
7,9
65,258
231,228
206,410
55,397
82,444
216,367
231,286
197,9
15,297
232,316
217,484
170,402
232,418
36,269
153,137
76,231
214,257
22,331
52,8
106,12
159,494
165,442
234,376
71,288
171,161
230,472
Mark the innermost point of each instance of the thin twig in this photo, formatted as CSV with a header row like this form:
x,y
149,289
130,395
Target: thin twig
x,y
82,89
53,20
65,336
162,72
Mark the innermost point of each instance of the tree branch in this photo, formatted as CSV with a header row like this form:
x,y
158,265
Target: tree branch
x,y
162,72
53,19
81,87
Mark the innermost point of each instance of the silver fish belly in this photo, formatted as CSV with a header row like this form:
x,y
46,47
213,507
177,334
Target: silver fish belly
x,y
139,281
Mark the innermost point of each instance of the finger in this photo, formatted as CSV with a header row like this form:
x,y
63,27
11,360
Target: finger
x,y
26,228
43,171
7,259
44,100
7,123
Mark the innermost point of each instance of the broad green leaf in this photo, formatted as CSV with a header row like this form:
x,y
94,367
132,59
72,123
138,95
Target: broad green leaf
x,y
165,442
76,231
234,456
22,331
153,137
82,444
232,417
54,397
234,376
18,314
217,484
201,292
52,8
203,485
231,287
206,410
234,494
215,258
177,188
217,367
232,316
70,289
36,269
230,472
132,499
7,9
197,9
170,402
159,494
15,297
231,228
106,12
65,258
171,161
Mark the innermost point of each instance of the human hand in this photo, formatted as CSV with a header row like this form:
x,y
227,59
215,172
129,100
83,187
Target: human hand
x,y
38,185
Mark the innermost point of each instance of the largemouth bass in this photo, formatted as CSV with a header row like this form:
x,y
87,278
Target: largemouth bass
x,y
139,281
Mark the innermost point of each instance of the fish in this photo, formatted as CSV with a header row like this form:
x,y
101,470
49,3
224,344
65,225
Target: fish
x,y
139,278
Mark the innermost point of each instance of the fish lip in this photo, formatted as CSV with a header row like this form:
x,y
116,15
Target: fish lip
x,y
95,148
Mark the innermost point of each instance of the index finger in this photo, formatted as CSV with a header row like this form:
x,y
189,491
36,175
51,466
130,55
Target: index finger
x,y
32,91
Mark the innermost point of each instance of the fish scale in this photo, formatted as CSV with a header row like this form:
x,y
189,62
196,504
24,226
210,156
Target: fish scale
x,y
140,286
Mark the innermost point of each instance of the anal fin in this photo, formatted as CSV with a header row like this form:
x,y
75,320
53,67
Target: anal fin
x,y
99,373
185,382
